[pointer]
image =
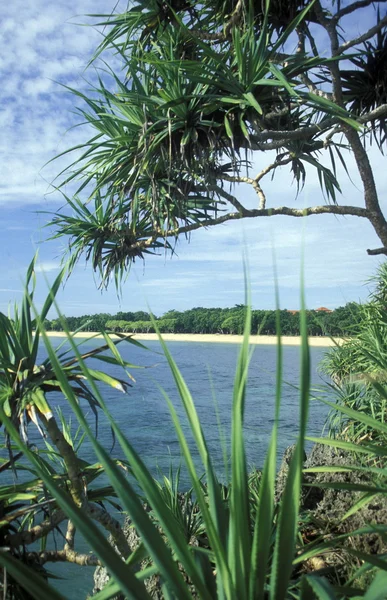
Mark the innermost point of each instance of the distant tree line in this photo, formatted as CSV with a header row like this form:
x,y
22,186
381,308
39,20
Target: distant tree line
x,y
341,321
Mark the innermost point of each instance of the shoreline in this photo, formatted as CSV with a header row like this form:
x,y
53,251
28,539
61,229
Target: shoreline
x,y
259,340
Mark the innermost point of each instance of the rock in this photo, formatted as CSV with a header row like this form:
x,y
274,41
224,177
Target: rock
x,y
282,474
153,583
330,505
102,577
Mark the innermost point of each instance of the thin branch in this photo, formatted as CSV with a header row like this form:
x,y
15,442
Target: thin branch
x,y
330,27
231,199
222,35
311,41
70,536
332,209
84,560
330,135
254,183
274,165
261,195
362,38
352,7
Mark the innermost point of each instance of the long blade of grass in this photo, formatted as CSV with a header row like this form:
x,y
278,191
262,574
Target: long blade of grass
x,y
151,537
264,521
217,510
29,579
239,544
288,518
124,576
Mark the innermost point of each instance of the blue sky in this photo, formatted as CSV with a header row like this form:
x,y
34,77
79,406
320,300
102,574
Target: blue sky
x,y
42,45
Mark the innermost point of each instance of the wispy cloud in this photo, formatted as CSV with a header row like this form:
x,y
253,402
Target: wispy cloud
x,y
47,266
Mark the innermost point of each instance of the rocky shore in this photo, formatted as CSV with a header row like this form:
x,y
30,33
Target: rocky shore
x,y
325,511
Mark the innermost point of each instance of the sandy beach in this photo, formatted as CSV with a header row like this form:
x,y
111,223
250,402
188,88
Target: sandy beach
x,y
323,342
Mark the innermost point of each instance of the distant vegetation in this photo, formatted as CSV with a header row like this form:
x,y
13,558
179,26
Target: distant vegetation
x,y
218,320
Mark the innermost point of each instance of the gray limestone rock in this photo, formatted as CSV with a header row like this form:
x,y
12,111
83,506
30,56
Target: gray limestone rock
x,y
330,505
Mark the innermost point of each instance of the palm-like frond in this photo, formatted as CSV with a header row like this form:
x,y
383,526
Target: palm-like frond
x,y
365,86
187,104
25,383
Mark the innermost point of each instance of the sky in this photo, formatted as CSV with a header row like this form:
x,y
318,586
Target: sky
x,y
44,45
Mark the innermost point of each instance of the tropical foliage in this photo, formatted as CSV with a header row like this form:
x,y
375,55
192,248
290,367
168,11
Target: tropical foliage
x,y
204,87
228,539
206,91
339,322
359,367
30,401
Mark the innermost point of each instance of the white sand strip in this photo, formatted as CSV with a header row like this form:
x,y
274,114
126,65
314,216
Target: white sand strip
x,y
323,342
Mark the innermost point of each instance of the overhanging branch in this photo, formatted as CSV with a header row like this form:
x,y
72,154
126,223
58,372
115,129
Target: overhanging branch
x,y
362,38
377,251
330,209
353,7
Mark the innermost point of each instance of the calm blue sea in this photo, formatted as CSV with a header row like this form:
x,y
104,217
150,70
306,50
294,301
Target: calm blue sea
x,y
208,369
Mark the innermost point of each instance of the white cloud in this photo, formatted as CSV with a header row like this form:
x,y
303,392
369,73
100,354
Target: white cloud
x,y
47,266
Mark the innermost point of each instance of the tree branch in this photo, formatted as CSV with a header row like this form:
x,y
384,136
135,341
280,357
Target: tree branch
x,y
362,38
274,165
371,200
377,113
330,27
313,89
35,533
377,251
332,209
112,526
225,34
70,536
89,560
352,7
69,457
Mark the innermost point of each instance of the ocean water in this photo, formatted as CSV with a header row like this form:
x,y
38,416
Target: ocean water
x,y
208,369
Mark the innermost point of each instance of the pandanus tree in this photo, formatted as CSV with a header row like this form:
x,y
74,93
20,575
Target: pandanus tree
x,y
206,92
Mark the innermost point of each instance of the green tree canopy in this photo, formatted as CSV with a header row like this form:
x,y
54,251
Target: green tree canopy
x,y
207,88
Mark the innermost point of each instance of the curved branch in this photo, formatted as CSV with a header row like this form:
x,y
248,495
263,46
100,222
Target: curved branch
x,y
352,7
331,209
112,526
274,165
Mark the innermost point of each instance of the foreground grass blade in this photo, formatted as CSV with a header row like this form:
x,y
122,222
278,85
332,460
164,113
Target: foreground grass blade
x,y
377,589
126,578
28,579
150,535
216,520
239,544
264,521
288,517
